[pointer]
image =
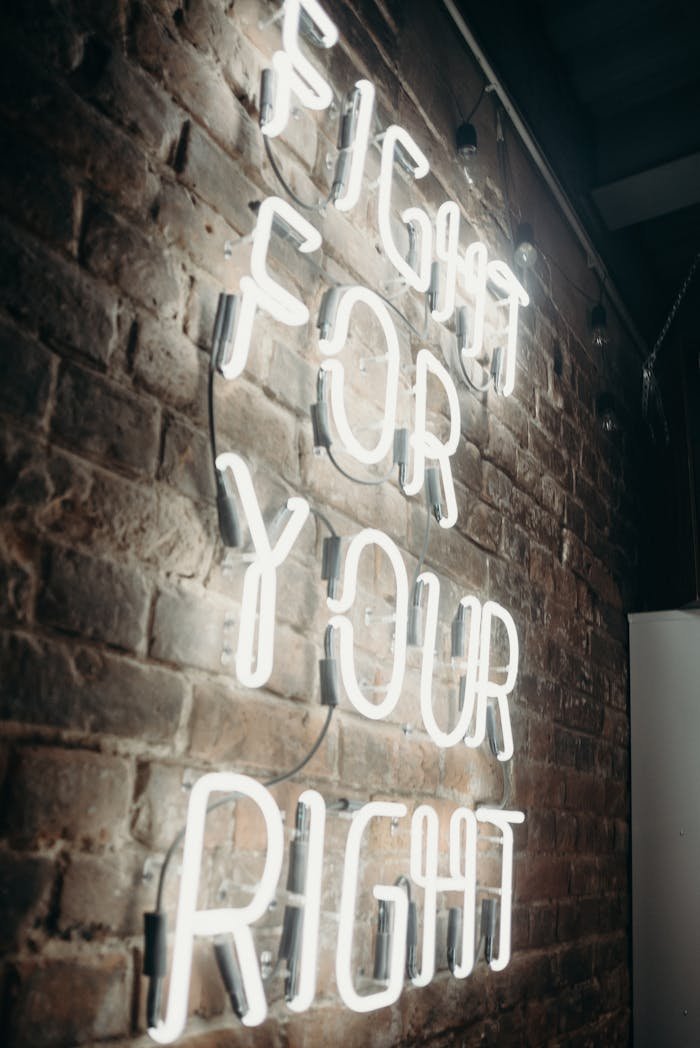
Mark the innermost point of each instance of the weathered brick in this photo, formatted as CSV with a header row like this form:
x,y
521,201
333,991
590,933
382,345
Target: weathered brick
x,y
69,794
138,262
187,459
389,757
25,375
105,160
75,310
25,895
94,598
105,894
226,728
18,557
110,515
102,419
168,365
188,628
159,811
40,191
88,690
57,1002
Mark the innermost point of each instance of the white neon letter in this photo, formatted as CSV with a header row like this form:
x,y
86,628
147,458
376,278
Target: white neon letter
x,y
367,537
260,580
389,893
462,878
293,71
447,250
503,820
358,148
312,902
505,280
486,688
475,271
441,738
260,290
425,444
335,369
424,874
420,278
228,920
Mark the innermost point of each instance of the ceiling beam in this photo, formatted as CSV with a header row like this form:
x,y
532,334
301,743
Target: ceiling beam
x,y
657,191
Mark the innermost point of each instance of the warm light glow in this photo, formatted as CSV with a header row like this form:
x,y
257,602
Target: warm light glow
x,y
358,149
447,251
442,738
293,71
503,820
426,446
420,278
258,602
348,299
392,894
227,920
372,710
262,291
503,278
308,954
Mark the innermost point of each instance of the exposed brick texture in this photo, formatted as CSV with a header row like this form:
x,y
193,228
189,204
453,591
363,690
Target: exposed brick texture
x,y
133,170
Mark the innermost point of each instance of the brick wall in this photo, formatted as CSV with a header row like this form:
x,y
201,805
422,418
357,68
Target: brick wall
x,y
132,155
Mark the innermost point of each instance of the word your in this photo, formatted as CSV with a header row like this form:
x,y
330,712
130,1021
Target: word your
x,y
473,627
236,922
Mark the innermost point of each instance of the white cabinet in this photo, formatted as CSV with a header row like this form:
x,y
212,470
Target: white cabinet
x,y
665,745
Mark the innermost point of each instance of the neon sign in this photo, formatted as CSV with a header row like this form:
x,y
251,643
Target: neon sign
x,y
437,267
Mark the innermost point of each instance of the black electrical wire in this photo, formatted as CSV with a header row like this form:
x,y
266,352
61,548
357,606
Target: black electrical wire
x,y
577,287
324,520
468,119
375,482
467,379
229,797
287,188
210,400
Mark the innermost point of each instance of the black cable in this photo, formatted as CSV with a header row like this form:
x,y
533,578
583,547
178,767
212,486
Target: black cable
x,y
228,797
467,379
589,298
287,188
468,119
324,520
210,400
396,310
358,480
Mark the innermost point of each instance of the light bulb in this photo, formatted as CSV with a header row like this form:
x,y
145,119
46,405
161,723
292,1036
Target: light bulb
x,y
525,254
599,327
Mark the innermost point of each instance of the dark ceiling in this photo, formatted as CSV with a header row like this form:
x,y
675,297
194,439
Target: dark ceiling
x,y
610,89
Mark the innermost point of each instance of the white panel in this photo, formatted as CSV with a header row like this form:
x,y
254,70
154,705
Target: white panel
x,y
665,725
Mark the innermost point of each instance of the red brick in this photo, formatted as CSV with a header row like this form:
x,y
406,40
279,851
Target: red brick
x,y
541,878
